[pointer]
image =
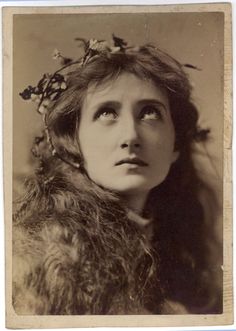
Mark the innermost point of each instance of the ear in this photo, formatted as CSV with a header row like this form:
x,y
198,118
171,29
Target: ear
x,y
175,156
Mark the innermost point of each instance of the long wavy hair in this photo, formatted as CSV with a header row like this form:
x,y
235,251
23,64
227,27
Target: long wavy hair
x,y
179,262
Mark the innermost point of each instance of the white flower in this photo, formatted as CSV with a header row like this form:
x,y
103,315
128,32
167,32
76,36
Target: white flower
x,y
55,85
44,106
63,86
93,43
100,46
56,54
35,98
42,109
46,102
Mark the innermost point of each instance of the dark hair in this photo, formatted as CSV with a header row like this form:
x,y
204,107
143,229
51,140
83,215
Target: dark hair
x,y
183,237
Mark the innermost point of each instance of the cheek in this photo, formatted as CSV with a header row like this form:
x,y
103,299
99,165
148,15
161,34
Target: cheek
x,y
95,149
161,148
162,140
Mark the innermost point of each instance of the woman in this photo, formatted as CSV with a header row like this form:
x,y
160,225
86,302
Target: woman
x,y
113,220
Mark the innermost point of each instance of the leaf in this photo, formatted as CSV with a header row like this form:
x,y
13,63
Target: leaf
x,y
26,94
118,42
187,65
66,60
83,42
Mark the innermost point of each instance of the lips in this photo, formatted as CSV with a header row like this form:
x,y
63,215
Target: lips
x,y
134,160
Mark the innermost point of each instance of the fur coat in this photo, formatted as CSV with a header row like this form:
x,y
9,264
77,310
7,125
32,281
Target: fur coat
x,y
59,270
77,250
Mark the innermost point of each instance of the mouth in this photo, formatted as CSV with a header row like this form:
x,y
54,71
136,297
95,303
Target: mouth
x,y
134,160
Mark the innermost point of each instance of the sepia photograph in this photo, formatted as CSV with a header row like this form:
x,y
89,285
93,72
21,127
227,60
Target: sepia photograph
x,y
118,154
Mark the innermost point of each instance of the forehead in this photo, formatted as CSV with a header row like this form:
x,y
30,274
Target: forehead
x,y
126,87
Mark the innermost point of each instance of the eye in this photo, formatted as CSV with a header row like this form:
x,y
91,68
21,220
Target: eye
x,y
106,114
151,112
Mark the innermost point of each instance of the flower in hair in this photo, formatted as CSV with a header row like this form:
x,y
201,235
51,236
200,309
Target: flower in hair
x,y
56,54
48,89
98,46
63,60
51,86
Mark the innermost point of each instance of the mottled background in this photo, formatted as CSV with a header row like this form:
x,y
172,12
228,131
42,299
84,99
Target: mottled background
x,y
195,38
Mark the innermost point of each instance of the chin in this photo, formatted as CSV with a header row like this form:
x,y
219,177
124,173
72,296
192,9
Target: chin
x,y
131,187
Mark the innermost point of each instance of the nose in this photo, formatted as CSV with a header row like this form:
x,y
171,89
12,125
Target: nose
x,y
130,135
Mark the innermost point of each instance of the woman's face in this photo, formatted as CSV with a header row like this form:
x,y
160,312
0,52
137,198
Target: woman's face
x,y
126,135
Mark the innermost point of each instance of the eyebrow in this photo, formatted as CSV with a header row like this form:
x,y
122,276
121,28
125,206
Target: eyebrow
x,y
141,102
107,103
152,101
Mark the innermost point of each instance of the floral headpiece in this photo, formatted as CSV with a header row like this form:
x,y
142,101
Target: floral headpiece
x,y
51,86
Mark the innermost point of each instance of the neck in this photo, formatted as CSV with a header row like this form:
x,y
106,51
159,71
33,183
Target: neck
x,y
136,202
